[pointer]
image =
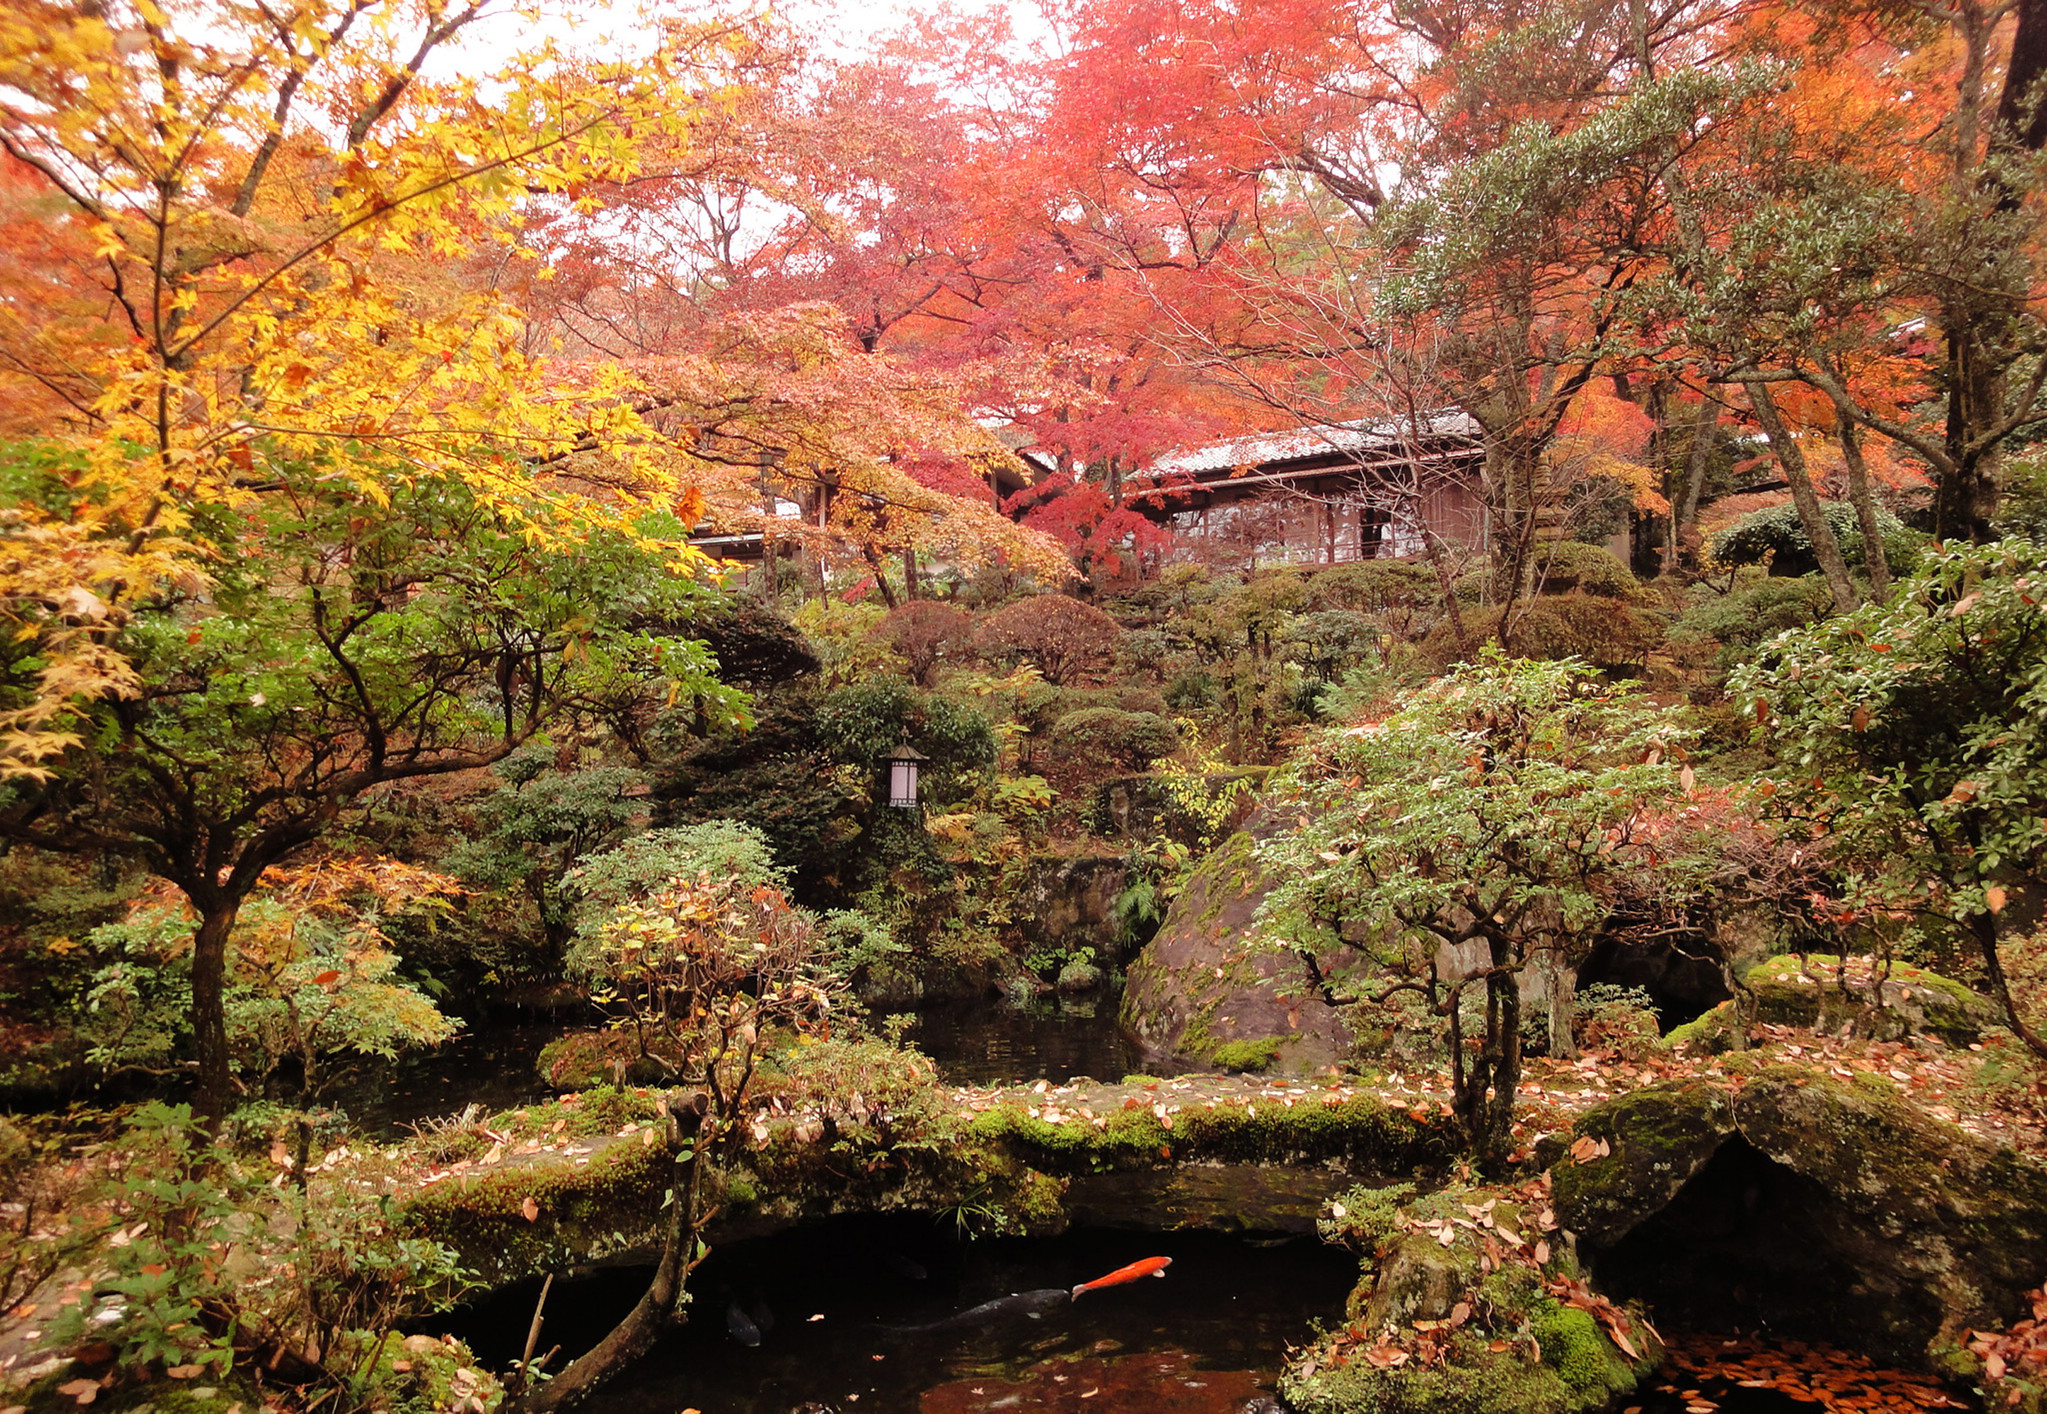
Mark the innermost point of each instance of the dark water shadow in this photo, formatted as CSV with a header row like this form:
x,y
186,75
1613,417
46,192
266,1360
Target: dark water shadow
x,y
1201,1340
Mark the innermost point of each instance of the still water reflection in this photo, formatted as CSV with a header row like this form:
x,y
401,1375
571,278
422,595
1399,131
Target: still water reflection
x,y
845,1312
1050,1038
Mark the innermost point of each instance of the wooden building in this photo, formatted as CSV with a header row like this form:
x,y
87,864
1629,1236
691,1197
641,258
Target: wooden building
x,y
1325,494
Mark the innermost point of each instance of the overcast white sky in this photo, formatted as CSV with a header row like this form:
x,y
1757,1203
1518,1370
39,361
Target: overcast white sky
x,y
848,26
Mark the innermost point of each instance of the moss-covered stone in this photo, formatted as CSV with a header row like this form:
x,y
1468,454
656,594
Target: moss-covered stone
x,y
211,1394
589,1206
582,1060
1198,986
1790,991
1934,1229
1656,1140
1229,1153
1458,1313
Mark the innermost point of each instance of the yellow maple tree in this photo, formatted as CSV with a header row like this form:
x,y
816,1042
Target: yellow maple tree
x,y
287,214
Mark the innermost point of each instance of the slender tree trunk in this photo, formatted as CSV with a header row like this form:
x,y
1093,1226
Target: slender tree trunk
x,y
1826,549
1984,927
1563,1009
1686,514
888,593
209,1010
1865,510
1432,550
1515,476
1965,494
657,1309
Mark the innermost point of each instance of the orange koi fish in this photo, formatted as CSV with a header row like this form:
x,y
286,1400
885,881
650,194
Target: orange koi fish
x,y
1149,1267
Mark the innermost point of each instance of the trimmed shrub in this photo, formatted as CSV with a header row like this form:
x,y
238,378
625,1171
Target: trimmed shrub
x,y
928,633
1776,535
1572,564
1607,633
1055,633
1132,739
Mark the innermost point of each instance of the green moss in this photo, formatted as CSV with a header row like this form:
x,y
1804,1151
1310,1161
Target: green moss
x,y
424,1374
607,1204
1786,994
1361,1131
1365,1219
1248,1055
582,1060
1711,1033
208,1395
1656,1140
1474,1381
1551,1359
1589,1364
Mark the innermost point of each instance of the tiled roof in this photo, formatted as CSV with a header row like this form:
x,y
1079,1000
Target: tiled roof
x,y
1267,449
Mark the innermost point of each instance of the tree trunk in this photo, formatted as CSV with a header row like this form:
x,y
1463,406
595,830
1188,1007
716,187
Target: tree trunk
x,y
1686,513
656,1311
1965,491
1984,927
209,1010
1563,1010
1482,1090
1865,511
1826,549
888,593
1515,473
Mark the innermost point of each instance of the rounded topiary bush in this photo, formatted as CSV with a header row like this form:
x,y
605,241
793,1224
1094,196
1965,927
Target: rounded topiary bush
x,y
1775,535
1607,633
1592,569
1132,739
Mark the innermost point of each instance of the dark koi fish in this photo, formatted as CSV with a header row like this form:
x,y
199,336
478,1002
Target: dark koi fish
x,y
1031,1304
1149,1267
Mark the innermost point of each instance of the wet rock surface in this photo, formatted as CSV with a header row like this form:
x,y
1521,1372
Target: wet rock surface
x,y
1892,1232
1198,987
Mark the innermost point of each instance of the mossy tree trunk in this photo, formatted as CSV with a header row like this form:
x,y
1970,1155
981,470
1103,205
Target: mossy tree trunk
x,y
1482,1084
659,1308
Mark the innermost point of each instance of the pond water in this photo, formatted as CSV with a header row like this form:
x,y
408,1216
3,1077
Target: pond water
x,y
857,1313
1049,1038
862,1317
493,1067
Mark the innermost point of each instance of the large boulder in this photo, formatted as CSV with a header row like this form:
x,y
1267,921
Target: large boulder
x,y
1884,1003
1201,993
1803,1200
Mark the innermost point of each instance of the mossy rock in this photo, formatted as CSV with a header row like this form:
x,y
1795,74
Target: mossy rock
x,y
1934,1230
605,1206
583,1060
1199,986
1789,991
1362,1133
1507,1345
1657,1139
212,1394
